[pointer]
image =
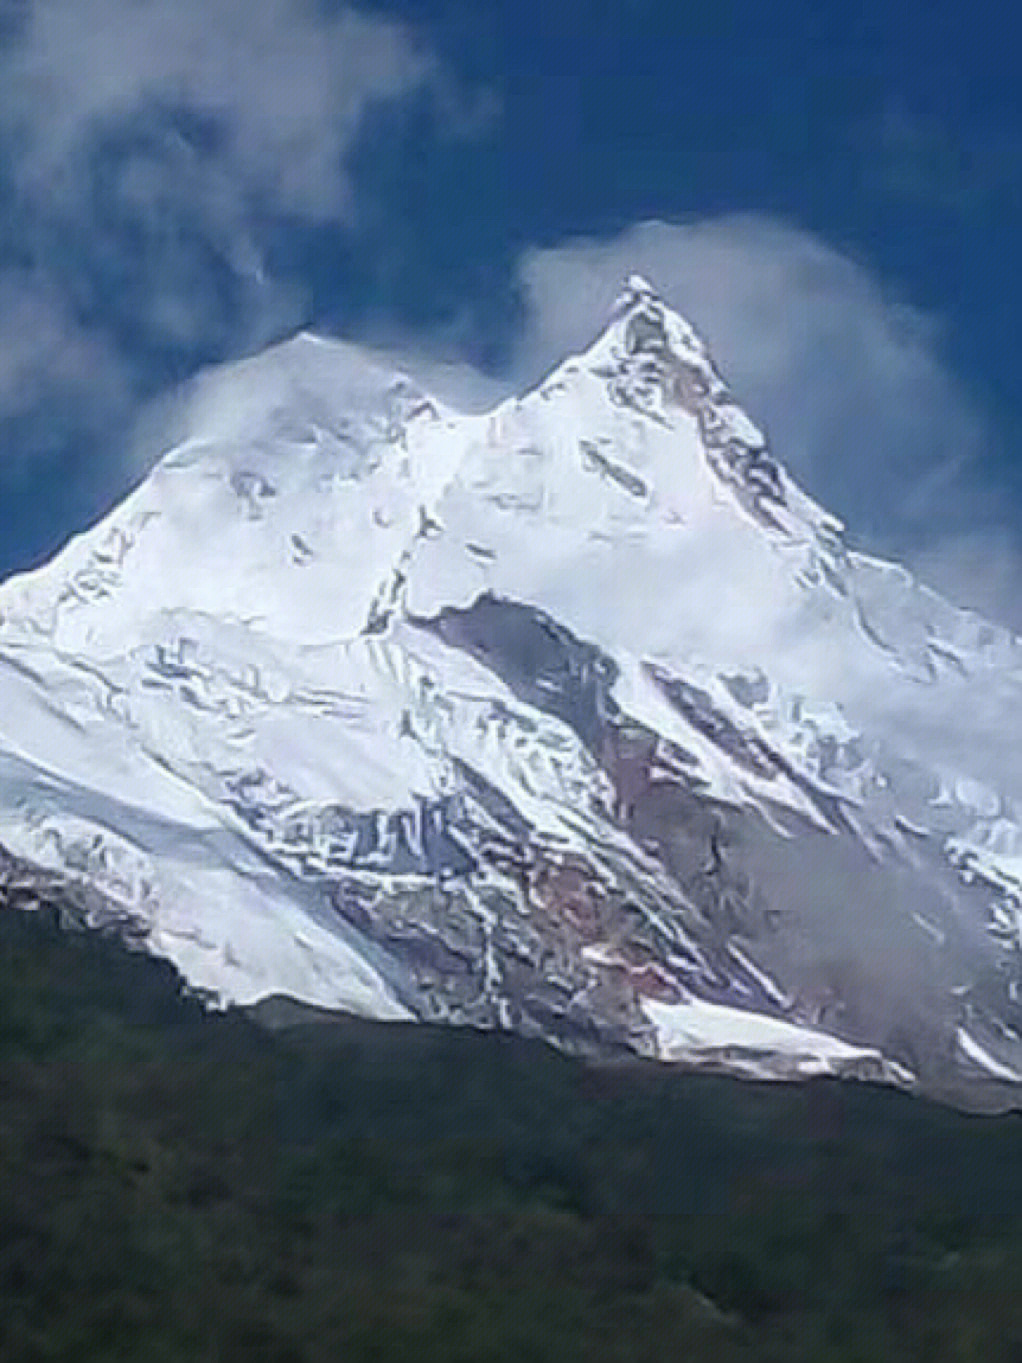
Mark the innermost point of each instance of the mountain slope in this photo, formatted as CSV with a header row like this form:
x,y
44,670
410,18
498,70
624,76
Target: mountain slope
x,y
577,717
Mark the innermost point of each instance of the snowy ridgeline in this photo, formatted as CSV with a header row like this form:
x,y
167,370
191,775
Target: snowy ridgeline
x,y
576,716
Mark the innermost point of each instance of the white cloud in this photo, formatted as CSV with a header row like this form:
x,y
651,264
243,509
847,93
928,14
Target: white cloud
x,y
285,84
849,383
36,337
148,229
981,569
46,354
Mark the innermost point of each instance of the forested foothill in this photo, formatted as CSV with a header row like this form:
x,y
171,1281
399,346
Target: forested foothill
x,y
177,1184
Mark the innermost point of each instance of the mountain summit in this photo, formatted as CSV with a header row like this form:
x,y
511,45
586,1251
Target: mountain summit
x,y
576,717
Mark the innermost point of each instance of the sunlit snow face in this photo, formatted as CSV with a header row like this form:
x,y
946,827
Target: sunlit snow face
x,y
412,673
296,482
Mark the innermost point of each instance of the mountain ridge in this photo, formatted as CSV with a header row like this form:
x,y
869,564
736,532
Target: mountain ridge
x,y
575,716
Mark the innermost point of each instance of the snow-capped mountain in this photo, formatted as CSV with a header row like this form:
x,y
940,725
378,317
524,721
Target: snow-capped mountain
x,y
576,717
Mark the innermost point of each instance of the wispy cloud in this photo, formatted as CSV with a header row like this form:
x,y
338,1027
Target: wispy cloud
x,y
981,568
281,84
938,163
39,339
58,379
152,148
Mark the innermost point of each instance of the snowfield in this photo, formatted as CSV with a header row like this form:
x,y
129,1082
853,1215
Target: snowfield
x,y
576,717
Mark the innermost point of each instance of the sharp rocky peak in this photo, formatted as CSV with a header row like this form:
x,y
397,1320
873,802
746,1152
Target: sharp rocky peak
x,y
655,362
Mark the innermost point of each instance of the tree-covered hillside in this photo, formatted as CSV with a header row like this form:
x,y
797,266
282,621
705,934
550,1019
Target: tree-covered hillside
x,y
176,1185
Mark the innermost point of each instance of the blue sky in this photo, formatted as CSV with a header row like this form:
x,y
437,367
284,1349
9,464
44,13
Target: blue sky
x,y
832,192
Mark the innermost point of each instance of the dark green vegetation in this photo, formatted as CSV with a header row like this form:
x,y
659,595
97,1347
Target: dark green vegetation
x,y
175,1186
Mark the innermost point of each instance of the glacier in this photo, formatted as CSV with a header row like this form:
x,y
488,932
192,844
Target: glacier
x,y
576,716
